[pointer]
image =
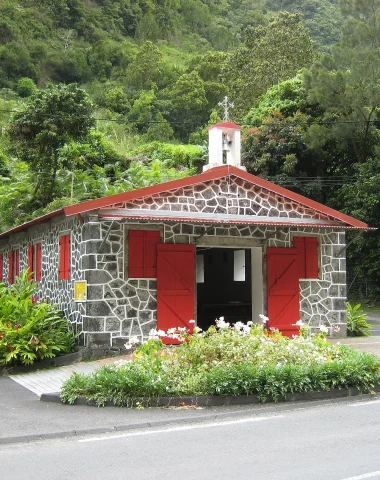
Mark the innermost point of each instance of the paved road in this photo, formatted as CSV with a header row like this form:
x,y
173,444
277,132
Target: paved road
x,y
374,320
316,441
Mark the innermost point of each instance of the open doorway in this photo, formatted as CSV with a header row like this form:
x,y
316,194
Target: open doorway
x,y
229,284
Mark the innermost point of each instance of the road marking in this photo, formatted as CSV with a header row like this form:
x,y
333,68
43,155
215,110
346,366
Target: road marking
x,y
181,428
365,475
359,404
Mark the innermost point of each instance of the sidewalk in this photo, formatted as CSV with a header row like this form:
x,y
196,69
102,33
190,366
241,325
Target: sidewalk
x,y
363,344
52,379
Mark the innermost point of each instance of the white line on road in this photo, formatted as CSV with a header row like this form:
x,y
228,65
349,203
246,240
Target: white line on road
x,y
365,475
359,404
181,428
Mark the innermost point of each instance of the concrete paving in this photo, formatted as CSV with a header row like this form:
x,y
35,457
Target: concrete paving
x,y
52,379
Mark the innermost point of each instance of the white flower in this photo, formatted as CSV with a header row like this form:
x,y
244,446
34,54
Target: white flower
x,y
171,331
134,340
239,325
220,323
153,334
263,319
323,328
161,333
191,321
300,323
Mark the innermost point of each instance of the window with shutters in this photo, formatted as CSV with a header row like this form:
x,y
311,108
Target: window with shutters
x,y
142,253
13,265
64,257
34,261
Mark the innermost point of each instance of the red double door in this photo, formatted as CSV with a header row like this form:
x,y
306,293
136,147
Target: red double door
x,y
285,268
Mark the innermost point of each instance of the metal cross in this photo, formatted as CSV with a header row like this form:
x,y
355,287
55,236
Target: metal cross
x,y
226,105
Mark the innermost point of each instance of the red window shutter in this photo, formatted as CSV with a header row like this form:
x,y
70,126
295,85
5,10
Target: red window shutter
x,y
64,257
142,253
38,267
136,253
311,256
299,244
30,261
152,238
1,267
307,248
11,273
17,263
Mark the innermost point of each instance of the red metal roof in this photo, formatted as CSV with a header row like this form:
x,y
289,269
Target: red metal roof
x,y
35,221
211,174
225,125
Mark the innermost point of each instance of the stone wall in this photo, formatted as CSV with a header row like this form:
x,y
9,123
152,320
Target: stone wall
x,y
51,288
323,300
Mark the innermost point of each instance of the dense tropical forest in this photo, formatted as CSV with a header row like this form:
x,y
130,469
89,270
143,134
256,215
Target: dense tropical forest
x,y
102,96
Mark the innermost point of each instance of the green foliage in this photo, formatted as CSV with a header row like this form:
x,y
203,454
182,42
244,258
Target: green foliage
x,y
237,360
142,174
357,321
346,81
49,120
30,330
270,54
25,87
188,156
323,18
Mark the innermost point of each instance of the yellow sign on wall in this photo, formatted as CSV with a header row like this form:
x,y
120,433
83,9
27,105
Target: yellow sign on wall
x,y
80,291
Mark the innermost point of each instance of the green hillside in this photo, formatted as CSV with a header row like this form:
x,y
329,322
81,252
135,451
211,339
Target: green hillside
x,y
102,96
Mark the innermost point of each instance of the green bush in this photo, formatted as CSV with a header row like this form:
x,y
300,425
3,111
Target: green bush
x,y
30,330
25,87
237,360
357,321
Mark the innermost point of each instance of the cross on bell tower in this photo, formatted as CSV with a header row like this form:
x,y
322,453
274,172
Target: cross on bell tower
x,y
226,104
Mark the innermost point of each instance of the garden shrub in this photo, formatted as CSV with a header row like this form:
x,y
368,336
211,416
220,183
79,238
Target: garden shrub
x,y
30,330
225,360
357,325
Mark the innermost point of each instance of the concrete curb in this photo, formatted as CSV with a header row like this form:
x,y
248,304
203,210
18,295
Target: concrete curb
x,y
216,400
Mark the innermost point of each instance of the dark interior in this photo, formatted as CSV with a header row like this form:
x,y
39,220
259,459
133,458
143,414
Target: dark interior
x,y
220,295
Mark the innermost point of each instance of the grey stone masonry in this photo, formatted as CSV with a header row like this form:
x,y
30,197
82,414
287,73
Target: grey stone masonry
x,y
323,300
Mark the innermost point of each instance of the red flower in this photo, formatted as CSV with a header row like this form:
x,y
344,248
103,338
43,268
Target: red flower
x,y
17,327
10,347
7,324
1,336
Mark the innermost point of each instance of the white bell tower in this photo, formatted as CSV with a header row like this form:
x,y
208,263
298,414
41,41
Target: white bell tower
x,y
224,143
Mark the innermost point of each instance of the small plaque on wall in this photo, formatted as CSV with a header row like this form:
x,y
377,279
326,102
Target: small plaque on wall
x,y
80,291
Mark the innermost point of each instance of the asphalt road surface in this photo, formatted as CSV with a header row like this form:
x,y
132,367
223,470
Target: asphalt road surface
x,y
337,440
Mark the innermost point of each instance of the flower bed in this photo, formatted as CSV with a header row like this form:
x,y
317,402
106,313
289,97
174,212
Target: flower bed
x,y
227,360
